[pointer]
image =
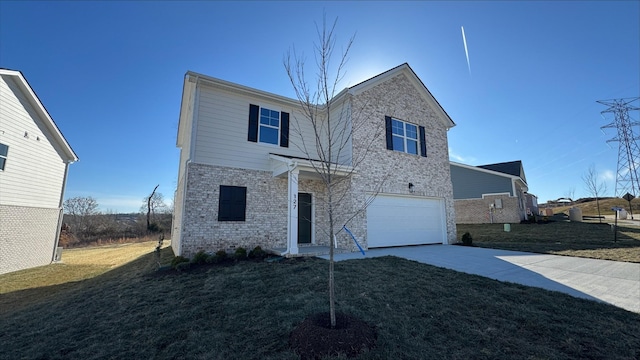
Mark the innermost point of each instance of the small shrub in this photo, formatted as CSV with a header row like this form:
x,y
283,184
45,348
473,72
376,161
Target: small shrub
x,y
183,266
240,253
467,240
257,253
219,257
178,260
200,257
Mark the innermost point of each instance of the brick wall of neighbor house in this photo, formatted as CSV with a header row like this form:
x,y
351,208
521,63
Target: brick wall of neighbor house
x,y
27,237
476,211
392,171
266,210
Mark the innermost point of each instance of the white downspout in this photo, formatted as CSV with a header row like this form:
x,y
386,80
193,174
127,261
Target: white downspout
x,y
60,210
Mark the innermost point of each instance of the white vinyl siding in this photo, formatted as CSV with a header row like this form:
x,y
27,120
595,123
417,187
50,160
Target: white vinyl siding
x,y
222,127
34,171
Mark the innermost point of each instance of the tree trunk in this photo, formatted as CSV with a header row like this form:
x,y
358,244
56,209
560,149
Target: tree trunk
x,y
149,207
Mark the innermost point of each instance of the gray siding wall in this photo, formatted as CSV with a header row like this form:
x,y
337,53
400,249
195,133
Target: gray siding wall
x,y
27,237
471,184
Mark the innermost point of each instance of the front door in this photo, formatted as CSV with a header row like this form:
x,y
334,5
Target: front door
x,y
304,218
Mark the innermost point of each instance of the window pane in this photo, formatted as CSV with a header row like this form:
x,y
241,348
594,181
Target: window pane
x,y
397,127
3,150
268,135
412,147
412,131
398,143
264,120
2,161
265,112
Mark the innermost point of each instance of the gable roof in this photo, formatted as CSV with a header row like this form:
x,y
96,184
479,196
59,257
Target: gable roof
x,y
415,80
30,95
511,168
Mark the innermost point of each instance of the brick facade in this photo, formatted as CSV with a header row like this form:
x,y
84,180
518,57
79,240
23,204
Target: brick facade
x,y
27,237
388,171
266,213
477,211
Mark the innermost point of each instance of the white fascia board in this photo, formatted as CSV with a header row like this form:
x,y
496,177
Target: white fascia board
x,y
233,87
186,108
281,164
42,112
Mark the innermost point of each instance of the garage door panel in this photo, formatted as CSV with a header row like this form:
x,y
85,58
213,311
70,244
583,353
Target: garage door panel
x,y
397,221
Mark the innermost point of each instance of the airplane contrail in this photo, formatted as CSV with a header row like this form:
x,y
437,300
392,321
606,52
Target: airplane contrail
x,y
466,51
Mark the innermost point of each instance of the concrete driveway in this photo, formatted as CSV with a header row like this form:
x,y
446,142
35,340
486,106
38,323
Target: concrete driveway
x,y
613,282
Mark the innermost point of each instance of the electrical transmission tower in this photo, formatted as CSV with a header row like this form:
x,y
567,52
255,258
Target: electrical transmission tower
x,y
628,151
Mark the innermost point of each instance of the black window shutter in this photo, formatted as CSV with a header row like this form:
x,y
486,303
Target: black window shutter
x,y
387,121
423,142
224,204
233,203
253,123
239,203
284,129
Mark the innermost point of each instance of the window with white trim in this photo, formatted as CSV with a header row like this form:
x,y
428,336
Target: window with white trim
x,y
4,150
405,136
269,128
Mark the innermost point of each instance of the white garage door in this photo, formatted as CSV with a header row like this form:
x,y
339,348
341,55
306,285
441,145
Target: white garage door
x,y
403,220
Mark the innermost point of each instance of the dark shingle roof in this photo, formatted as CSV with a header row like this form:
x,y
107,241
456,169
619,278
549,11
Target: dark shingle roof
x,y
511,168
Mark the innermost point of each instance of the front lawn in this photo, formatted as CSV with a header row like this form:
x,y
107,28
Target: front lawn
x,y
582,239
247,311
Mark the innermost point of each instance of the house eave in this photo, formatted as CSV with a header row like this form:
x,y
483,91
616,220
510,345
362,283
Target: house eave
x,y
308,168
69,155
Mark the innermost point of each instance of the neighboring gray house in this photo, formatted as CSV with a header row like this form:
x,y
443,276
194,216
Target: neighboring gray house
x,y
493,193
244,180
34,158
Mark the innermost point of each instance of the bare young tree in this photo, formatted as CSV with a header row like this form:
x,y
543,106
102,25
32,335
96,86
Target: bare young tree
x,y
570,194
81,211
594,187
333,123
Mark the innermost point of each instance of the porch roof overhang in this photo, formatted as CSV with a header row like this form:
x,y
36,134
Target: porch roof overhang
x,y
281,165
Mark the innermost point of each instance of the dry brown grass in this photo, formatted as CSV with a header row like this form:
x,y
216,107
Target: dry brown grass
x,y
76,265
591,209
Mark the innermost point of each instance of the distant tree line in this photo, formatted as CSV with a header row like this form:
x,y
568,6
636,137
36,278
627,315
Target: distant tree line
x,y
83,224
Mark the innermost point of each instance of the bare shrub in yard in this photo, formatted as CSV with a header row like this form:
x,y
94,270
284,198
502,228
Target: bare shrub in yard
x,y
467,240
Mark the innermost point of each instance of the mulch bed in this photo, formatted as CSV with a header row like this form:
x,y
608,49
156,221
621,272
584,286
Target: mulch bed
x,y
314,337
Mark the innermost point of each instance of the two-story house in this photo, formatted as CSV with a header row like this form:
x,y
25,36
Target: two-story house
x,y
34,159
247,173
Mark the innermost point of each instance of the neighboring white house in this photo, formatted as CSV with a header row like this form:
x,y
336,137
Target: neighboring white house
x,y
244,179
34,158
492,193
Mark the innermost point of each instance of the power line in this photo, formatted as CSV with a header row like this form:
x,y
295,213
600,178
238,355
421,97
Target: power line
x,y
628,150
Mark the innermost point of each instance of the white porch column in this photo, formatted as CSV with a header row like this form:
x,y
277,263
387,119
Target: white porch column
x,y
292,233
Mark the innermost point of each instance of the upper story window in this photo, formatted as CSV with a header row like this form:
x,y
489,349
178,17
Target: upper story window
x,y
405,137
268,126
4,150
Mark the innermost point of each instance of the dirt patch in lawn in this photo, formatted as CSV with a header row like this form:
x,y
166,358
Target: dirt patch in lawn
x,y
314,338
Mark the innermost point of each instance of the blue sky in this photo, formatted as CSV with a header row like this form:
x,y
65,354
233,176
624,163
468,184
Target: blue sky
x,y
110,74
